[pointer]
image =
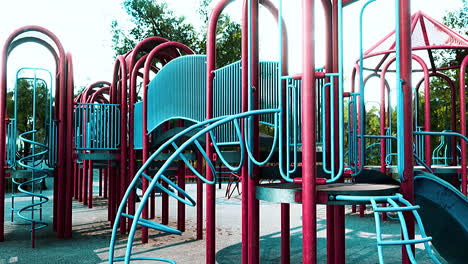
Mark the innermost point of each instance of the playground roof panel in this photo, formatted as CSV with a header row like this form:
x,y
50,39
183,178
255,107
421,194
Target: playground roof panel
x,y
427,36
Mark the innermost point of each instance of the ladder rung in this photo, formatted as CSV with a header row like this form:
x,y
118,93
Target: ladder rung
x,y
153,225
396,209
403,242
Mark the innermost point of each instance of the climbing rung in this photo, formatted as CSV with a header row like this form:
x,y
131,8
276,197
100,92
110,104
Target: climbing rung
x,y
396,209
153,225
404,242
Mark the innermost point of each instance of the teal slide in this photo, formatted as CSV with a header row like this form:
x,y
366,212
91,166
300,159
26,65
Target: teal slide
x,y
444,211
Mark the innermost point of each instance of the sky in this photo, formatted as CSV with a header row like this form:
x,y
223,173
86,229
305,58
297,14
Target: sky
x,y
83,28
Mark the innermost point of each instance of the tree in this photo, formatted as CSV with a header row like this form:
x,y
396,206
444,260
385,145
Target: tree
x,y
24,117
440,92
229,36
151,18
154,18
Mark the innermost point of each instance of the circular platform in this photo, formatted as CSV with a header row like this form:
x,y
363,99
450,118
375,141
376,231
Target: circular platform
x,y
437,169
292,193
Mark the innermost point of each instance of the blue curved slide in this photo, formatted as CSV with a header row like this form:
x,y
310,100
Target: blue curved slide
x,y
444,211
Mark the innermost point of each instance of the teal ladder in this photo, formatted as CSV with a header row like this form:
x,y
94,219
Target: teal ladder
x,y
396,204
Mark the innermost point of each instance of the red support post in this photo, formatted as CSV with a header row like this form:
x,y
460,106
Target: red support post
x,y
199,197
253,203
100,182
90,184
309,202
180,205
407,186
84,191
463,123
106,181
69,149
285,234
210,189
244,170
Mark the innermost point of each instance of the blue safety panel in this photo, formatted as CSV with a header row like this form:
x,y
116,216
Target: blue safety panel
x,y
97,126
269,89
227,99
138,126
178,91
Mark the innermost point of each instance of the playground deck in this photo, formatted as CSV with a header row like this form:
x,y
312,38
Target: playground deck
x,y
91,233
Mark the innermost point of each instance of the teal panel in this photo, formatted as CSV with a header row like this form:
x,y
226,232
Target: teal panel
x,y
138,126
178,91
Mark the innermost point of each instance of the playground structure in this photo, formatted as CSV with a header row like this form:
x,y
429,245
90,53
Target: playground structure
x,y
41,156
58,128
193,115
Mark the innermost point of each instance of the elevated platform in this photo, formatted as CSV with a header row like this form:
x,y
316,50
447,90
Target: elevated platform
x,y
28,173
292,193
437,169
97,156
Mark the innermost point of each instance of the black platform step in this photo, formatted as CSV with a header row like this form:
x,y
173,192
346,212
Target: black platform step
x,y
292,193
29,173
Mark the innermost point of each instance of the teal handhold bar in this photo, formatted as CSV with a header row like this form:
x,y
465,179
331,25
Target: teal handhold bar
x,y
220,154
359,165
272,150
334,177
208,161
154,225
441,134
195,172
145,258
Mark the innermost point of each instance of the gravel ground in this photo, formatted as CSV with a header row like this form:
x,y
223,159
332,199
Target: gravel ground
x,y
91,234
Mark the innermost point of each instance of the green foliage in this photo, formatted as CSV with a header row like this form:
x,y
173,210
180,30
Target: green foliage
x,y
150,18
440,89
24,117
154,18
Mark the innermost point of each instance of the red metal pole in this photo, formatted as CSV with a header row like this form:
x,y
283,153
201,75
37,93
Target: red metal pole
x,y
55,209
165,196
90,184
106,182
131,137
285,208
180,205
84,191
61,153
285,234
427,113
463,123
69,150
210,189
110,198
199,198
253,203
244,169
75,178
309,203
147,67
407,186
329,12
338,210
100,182
123,135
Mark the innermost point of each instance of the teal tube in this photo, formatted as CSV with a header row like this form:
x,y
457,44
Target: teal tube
x,y
242,149
400,107
361,89
270,154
